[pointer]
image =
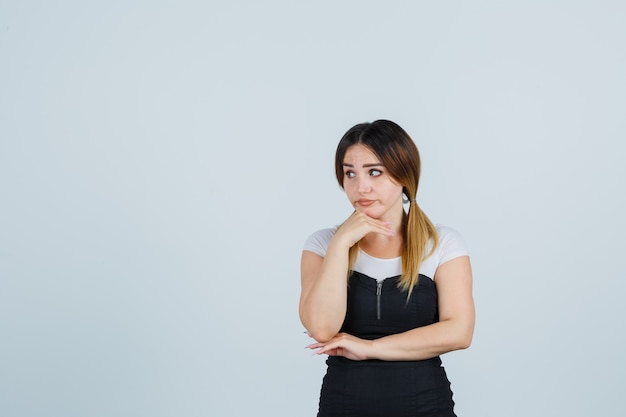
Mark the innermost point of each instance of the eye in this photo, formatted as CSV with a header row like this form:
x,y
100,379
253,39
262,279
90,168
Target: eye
x,y
349,174
375,172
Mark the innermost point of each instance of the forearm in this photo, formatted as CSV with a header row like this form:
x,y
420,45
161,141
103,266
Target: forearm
x,y
424,342
323,309
456,320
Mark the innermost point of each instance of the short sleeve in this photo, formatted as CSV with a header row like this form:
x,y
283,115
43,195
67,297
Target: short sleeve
x,y
451,245
318,241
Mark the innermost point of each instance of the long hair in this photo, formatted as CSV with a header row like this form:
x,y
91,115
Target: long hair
x,y
397,152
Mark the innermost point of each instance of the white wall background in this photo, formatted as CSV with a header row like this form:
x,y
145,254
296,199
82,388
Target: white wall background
x,y
162,162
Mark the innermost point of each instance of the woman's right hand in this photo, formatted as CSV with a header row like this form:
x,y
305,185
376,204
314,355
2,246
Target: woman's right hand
x,y
360,224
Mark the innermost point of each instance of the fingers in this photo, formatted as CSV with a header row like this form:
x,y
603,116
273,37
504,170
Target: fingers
x,y
320,348
338,348
314,346
328,349
359,224
344,344
331,347
380,226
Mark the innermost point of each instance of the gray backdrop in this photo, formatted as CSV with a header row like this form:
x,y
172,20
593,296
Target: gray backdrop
x,y
162,163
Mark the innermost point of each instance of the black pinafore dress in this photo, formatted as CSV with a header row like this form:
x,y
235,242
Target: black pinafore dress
x,y
374,388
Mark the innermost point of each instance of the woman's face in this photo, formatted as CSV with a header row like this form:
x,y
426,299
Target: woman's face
x,y
368,186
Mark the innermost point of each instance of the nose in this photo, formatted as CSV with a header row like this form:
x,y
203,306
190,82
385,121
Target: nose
x,y
364,184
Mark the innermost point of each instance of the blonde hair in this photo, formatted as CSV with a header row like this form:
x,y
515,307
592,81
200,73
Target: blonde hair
x,y
399,155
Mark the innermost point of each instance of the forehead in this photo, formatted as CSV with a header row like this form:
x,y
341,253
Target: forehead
x,y
359,154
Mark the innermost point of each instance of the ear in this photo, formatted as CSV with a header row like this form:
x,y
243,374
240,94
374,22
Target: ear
x,y
405,195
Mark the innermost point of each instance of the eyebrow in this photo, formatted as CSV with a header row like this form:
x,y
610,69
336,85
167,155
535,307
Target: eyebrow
x,y
364,165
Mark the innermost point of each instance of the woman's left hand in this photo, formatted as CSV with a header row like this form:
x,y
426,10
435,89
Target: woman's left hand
x,y
346,345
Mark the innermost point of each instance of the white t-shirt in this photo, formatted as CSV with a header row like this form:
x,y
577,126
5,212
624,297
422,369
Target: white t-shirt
x,y
451,245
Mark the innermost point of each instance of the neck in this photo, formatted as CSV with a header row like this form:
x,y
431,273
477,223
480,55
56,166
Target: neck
x,y
381,246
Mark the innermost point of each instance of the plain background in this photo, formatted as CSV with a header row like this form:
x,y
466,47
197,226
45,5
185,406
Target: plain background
x,y
162,163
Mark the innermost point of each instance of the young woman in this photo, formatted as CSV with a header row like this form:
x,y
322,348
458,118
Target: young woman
x,y
386,292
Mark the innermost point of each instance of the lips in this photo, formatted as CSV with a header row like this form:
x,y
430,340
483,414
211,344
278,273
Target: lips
x,y
365,203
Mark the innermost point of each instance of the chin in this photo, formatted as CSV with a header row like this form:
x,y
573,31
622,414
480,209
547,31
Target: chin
x,y
374,214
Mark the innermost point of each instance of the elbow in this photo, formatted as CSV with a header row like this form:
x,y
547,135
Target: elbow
x,y
464,343
458,344
322,335
465,332
320,330
465,340
460,337
324,338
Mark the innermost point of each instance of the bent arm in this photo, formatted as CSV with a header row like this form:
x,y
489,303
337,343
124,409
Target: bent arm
x,y
324,291
455,328
325,280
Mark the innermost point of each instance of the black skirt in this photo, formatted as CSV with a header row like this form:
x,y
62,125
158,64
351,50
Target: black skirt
x,y
385,389
375,388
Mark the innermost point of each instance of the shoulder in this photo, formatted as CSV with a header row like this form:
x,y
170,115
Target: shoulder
x,y
319,240
447,233
451,244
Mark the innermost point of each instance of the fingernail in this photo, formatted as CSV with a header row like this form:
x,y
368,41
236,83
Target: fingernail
x,y
388,223
392,232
